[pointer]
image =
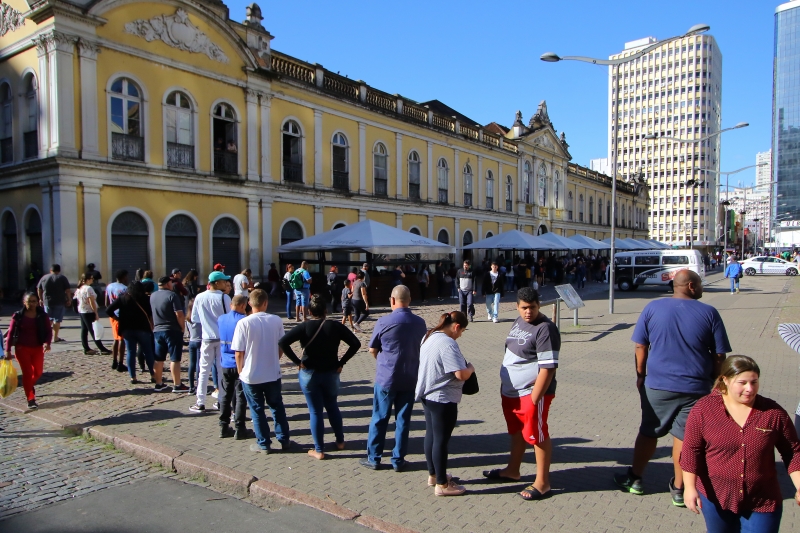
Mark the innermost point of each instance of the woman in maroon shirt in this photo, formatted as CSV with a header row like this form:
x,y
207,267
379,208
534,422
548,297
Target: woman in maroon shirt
x,y
30,334
728,457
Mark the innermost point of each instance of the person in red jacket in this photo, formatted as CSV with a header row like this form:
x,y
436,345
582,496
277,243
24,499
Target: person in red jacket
x,y
30,334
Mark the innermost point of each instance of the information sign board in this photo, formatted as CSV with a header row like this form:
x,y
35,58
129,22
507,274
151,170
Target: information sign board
x,y
570,297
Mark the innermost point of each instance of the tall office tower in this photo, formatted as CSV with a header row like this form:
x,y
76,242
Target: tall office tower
x,y
763,171
673,91
786,113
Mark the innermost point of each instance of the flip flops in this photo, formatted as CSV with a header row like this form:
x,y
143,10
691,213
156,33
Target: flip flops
x,y
495,475
531,493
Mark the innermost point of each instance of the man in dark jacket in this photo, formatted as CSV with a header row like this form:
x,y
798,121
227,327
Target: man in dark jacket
x,y
494,283
465,285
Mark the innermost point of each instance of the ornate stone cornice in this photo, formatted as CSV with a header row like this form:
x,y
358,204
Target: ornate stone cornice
x,y
10,19
88,49
55,40
178,32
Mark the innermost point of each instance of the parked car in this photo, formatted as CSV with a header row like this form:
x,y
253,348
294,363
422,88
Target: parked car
x,y
768,265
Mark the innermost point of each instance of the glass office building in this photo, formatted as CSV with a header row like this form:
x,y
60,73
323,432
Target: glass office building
x,y
786,112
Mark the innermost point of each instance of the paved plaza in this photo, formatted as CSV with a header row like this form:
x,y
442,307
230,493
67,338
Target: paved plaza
x,y
593,421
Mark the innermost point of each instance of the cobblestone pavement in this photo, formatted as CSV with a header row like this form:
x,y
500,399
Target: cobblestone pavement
x,y
593,422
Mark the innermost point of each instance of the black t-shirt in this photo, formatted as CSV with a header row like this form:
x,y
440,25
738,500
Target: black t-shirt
x,y
54,287
323,353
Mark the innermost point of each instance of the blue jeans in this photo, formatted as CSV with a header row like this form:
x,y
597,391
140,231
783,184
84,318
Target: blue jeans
x,y
321,390
289,303
194,354
465,301
719,520
493,304
143,340
302,296
734,283
259,394
382,402
169,342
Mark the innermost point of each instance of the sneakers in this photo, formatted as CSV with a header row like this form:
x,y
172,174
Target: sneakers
x,y
737,290
197,408
451,489
225,432
366,463
677,494
90,352
629,482
161,387
495,320
114,365
106,352
357,329
32,404
192,390
243,433
215,394
471,318
180,388
215,406
258,449
488,316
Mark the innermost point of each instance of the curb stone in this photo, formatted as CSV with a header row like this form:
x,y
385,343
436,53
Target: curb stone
x,y
147,451
266,490
220,477
381,525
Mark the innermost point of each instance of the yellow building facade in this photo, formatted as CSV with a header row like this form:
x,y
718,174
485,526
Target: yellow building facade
x,y
165,134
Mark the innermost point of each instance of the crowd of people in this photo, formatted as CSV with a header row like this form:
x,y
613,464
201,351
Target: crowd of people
x,y
724,433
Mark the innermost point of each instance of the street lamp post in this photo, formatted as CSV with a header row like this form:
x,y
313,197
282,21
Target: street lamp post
x,y
552,57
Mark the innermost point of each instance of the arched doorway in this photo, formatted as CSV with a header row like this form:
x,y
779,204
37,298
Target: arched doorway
x,y
225,243
180,242
415,231
10,253
33,231
340,259
129,243
291,232
541,230
467,240
443,237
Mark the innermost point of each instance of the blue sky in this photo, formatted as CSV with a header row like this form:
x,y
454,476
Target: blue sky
x,y
482,58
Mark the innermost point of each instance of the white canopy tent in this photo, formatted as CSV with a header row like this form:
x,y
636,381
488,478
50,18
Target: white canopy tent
x,y
587,243
562,243
513,240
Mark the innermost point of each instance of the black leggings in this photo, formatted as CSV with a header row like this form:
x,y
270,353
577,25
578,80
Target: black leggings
x,y
440,420
360,309
86,328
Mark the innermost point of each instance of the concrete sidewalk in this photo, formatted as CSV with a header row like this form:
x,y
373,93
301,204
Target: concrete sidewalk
x,y
594,420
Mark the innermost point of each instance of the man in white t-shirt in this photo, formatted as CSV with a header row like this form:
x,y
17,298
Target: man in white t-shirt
x,y
255,344
114,291
242,283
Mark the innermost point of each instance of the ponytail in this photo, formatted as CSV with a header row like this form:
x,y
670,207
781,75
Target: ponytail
x,y
445,320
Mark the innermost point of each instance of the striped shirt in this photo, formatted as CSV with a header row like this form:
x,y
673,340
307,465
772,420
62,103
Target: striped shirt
x,y
439,359
528,348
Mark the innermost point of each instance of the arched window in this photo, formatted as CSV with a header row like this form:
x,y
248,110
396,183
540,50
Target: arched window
x,y
543,185
226,145
225,245
467,238
591,210
443,237
10,253
441,169
489,190
340,259
180,241
380,161
129,242
415,231
570,205
292,152
556,189
413,175
599,211
179,121
341,162
468,185
30,126
291,232
608,213
616,213
509,194
622,217
6,124
33,229
630,216
127,130
580,208
526,182
489,234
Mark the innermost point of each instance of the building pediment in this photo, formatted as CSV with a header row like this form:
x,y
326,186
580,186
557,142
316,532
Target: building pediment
x,y
547,139
177,31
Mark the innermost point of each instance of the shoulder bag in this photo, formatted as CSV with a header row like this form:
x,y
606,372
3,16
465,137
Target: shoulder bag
x,y
149,318
471,385
305,348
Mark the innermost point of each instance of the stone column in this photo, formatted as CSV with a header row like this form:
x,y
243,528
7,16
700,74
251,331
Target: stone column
x,y
92,233
61,92
253,261
431,196
457,237
90,137
430,228
458,176
266,232
478,192
399,164
362,158
318,220
266,171
47,228
318,148
44,97
362,215
398,218
480,230
251,98
65,229
500,194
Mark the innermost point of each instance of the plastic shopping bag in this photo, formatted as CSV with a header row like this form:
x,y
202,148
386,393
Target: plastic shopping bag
x,y
98,329
8,378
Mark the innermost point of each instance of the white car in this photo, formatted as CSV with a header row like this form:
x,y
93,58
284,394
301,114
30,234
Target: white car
x,y
768,265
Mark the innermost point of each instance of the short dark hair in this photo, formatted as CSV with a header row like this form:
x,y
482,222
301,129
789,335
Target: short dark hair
x,y
528,295
120,274
360,274
494,262
318,306
55,267
467,262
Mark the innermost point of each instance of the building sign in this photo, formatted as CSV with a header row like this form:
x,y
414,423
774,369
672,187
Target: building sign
x,y
790,223
570,297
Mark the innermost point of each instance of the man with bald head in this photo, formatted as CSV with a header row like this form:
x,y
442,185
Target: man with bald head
x,y
680,346
395,346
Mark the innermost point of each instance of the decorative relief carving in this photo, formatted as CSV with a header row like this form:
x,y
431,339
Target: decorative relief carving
x,y
543,141
178,32
88,49
55,40
10,19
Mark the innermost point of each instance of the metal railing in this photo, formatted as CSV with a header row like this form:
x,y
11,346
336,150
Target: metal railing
x,y
31,141
381,187
442,196
413,191
341,180
468,199
181,155
127,147
292,172
509,205
489,202
226,162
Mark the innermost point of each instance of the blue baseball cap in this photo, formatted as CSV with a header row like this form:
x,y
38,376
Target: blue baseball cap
x,y
217,276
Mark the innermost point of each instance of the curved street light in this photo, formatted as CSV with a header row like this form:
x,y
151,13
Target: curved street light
x,y
552,57
652,136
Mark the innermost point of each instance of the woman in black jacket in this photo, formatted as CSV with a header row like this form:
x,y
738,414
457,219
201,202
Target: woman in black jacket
x,y
494,283
320,367
29,334
135,326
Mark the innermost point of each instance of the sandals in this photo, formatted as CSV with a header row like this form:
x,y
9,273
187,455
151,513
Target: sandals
x,y
495,475
531,493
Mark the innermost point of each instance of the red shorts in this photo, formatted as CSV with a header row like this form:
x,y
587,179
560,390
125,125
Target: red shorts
x,y
523,416
115,328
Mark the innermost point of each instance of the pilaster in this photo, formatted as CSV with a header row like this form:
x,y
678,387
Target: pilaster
x,y
430,227
362,215
318,148
478,191
266,171
47,228
398,220
266,231
458,177
457,237
430,173
479,236
65,229
318,220
90,143
251,100
91,227
362,158
399,163
44,97
253,261
61,93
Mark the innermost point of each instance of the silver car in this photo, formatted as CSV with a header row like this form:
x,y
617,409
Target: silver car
x,y
768,265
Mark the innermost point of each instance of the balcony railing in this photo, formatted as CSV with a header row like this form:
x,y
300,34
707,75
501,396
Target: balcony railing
x,y
509,205
381,187
489,202
181,155
468,199
292,172
413,191
442,196
341,180
6,150
127,147
226,162
31,141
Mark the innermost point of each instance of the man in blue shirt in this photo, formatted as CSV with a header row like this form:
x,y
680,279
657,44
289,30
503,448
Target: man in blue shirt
x,y
230,388
302,293
734,272
680,346
395,345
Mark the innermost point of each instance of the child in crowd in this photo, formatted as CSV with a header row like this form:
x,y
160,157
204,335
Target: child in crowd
x,y
195,331
347,303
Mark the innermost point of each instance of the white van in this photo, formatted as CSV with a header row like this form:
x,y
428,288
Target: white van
x,y
655,267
